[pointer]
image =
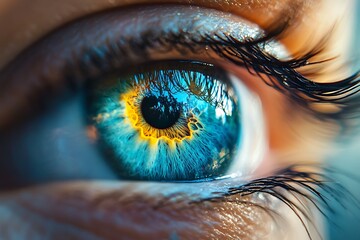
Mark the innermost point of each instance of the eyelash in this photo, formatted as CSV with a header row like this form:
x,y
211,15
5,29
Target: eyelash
x,y
314,188
282,75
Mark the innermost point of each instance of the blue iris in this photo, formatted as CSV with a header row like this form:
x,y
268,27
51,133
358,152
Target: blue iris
x,y
168,121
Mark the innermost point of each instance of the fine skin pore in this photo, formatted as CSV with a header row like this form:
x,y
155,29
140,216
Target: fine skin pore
x,y
107,210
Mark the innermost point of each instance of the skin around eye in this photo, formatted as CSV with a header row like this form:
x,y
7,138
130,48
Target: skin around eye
x,y
108,209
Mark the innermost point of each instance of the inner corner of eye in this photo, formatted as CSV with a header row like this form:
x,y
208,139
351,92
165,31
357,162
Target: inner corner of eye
x,y
169,121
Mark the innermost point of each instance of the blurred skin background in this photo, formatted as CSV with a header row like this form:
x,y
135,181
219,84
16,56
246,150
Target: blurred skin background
x,y
77,198
345,226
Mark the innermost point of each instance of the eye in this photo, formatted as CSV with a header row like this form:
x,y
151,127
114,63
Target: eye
x,y
200,108
150,106
172,120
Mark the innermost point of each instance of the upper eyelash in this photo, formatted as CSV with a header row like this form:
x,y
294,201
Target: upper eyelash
x,y
282,75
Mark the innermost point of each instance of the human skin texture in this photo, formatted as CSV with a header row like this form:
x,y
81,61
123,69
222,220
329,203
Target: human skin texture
x,y
114,209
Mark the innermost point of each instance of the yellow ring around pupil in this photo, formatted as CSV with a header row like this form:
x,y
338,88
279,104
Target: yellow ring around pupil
x,y
183,129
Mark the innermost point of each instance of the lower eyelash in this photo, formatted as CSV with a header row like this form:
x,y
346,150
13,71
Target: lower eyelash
x,y
315,188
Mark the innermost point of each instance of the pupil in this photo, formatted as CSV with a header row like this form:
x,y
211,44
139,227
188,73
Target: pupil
x,y
160,112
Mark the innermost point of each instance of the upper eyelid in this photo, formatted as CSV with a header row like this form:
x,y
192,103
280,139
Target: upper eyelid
x,y
36,20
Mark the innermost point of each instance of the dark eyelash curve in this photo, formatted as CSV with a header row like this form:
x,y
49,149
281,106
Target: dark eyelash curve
x,y
283,75
314,188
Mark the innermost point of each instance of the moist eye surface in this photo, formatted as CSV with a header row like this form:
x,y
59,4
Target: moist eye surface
x,y
174,120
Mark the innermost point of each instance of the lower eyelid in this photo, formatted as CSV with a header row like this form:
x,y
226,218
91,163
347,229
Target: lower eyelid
x,y
112,209
118,210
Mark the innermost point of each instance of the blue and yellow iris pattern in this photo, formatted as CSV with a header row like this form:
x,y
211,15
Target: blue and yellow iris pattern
x,y
168,121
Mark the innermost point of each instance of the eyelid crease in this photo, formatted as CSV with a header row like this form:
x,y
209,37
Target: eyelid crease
x,y
53,15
